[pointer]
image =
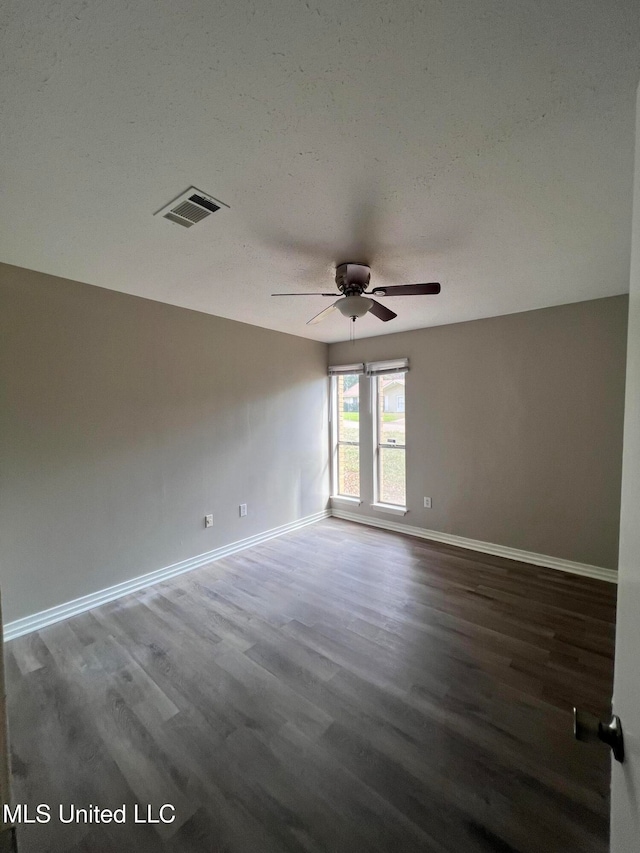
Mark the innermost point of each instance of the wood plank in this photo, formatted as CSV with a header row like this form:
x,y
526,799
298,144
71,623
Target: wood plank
x,y
339,688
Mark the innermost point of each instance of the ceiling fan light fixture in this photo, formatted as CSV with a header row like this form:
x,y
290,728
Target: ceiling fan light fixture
x,y
352,281
354,306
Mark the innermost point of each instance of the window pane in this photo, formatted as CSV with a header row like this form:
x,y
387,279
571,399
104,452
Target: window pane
x,y
391,434
392,476
348,430
391,409
348,408
349,470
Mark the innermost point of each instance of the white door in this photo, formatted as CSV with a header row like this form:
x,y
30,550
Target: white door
x,y
625,778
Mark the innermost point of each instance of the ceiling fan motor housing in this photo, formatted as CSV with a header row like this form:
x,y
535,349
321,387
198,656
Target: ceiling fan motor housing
x,y
352,278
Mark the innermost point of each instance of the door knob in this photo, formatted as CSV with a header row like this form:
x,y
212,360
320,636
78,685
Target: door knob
x,y
588,728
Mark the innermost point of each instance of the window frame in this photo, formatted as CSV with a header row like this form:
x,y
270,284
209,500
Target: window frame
x,y
375,394
369,453
336,442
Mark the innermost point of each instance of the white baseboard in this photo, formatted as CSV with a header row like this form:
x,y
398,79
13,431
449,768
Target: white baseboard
x,y
584,569
35,622
87,602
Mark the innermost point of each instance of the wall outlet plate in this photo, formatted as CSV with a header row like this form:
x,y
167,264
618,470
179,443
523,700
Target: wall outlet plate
x,y
243,510
208,521
427,503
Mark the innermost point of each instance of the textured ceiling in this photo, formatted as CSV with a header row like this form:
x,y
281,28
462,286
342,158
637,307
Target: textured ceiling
x,y
487,145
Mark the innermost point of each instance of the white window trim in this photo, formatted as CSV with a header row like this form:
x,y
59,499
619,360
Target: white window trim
x,y
391,509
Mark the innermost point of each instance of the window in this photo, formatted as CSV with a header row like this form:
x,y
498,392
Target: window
x,y
362,410
389,439
346,434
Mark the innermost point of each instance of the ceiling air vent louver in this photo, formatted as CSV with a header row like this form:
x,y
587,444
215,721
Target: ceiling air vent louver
x,y
190,207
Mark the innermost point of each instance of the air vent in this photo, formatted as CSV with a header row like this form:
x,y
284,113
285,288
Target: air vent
x,y
190,207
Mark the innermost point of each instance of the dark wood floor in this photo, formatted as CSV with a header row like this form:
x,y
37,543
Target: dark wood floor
x,y
337,689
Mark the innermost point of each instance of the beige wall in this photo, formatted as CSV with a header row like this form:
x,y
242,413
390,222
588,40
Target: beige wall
x,y
124,421
514,427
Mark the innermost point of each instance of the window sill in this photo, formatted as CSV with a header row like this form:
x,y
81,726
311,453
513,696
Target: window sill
x,y
345,499
390,509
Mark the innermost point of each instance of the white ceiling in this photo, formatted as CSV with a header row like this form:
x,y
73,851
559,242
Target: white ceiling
x,y
486,145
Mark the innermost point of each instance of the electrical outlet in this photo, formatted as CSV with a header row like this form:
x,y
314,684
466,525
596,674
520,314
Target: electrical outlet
x,y
243,510
208,521
427,503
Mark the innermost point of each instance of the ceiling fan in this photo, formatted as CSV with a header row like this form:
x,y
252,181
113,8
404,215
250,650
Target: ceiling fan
x,y
352,281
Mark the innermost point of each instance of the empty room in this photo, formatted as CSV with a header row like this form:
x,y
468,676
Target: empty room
x,y
320,427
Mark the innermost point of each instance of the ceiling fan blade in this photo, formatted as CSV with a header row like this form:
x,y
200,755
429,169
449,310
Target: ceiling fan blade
x,y
381,311
304,294
319,317
407,290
